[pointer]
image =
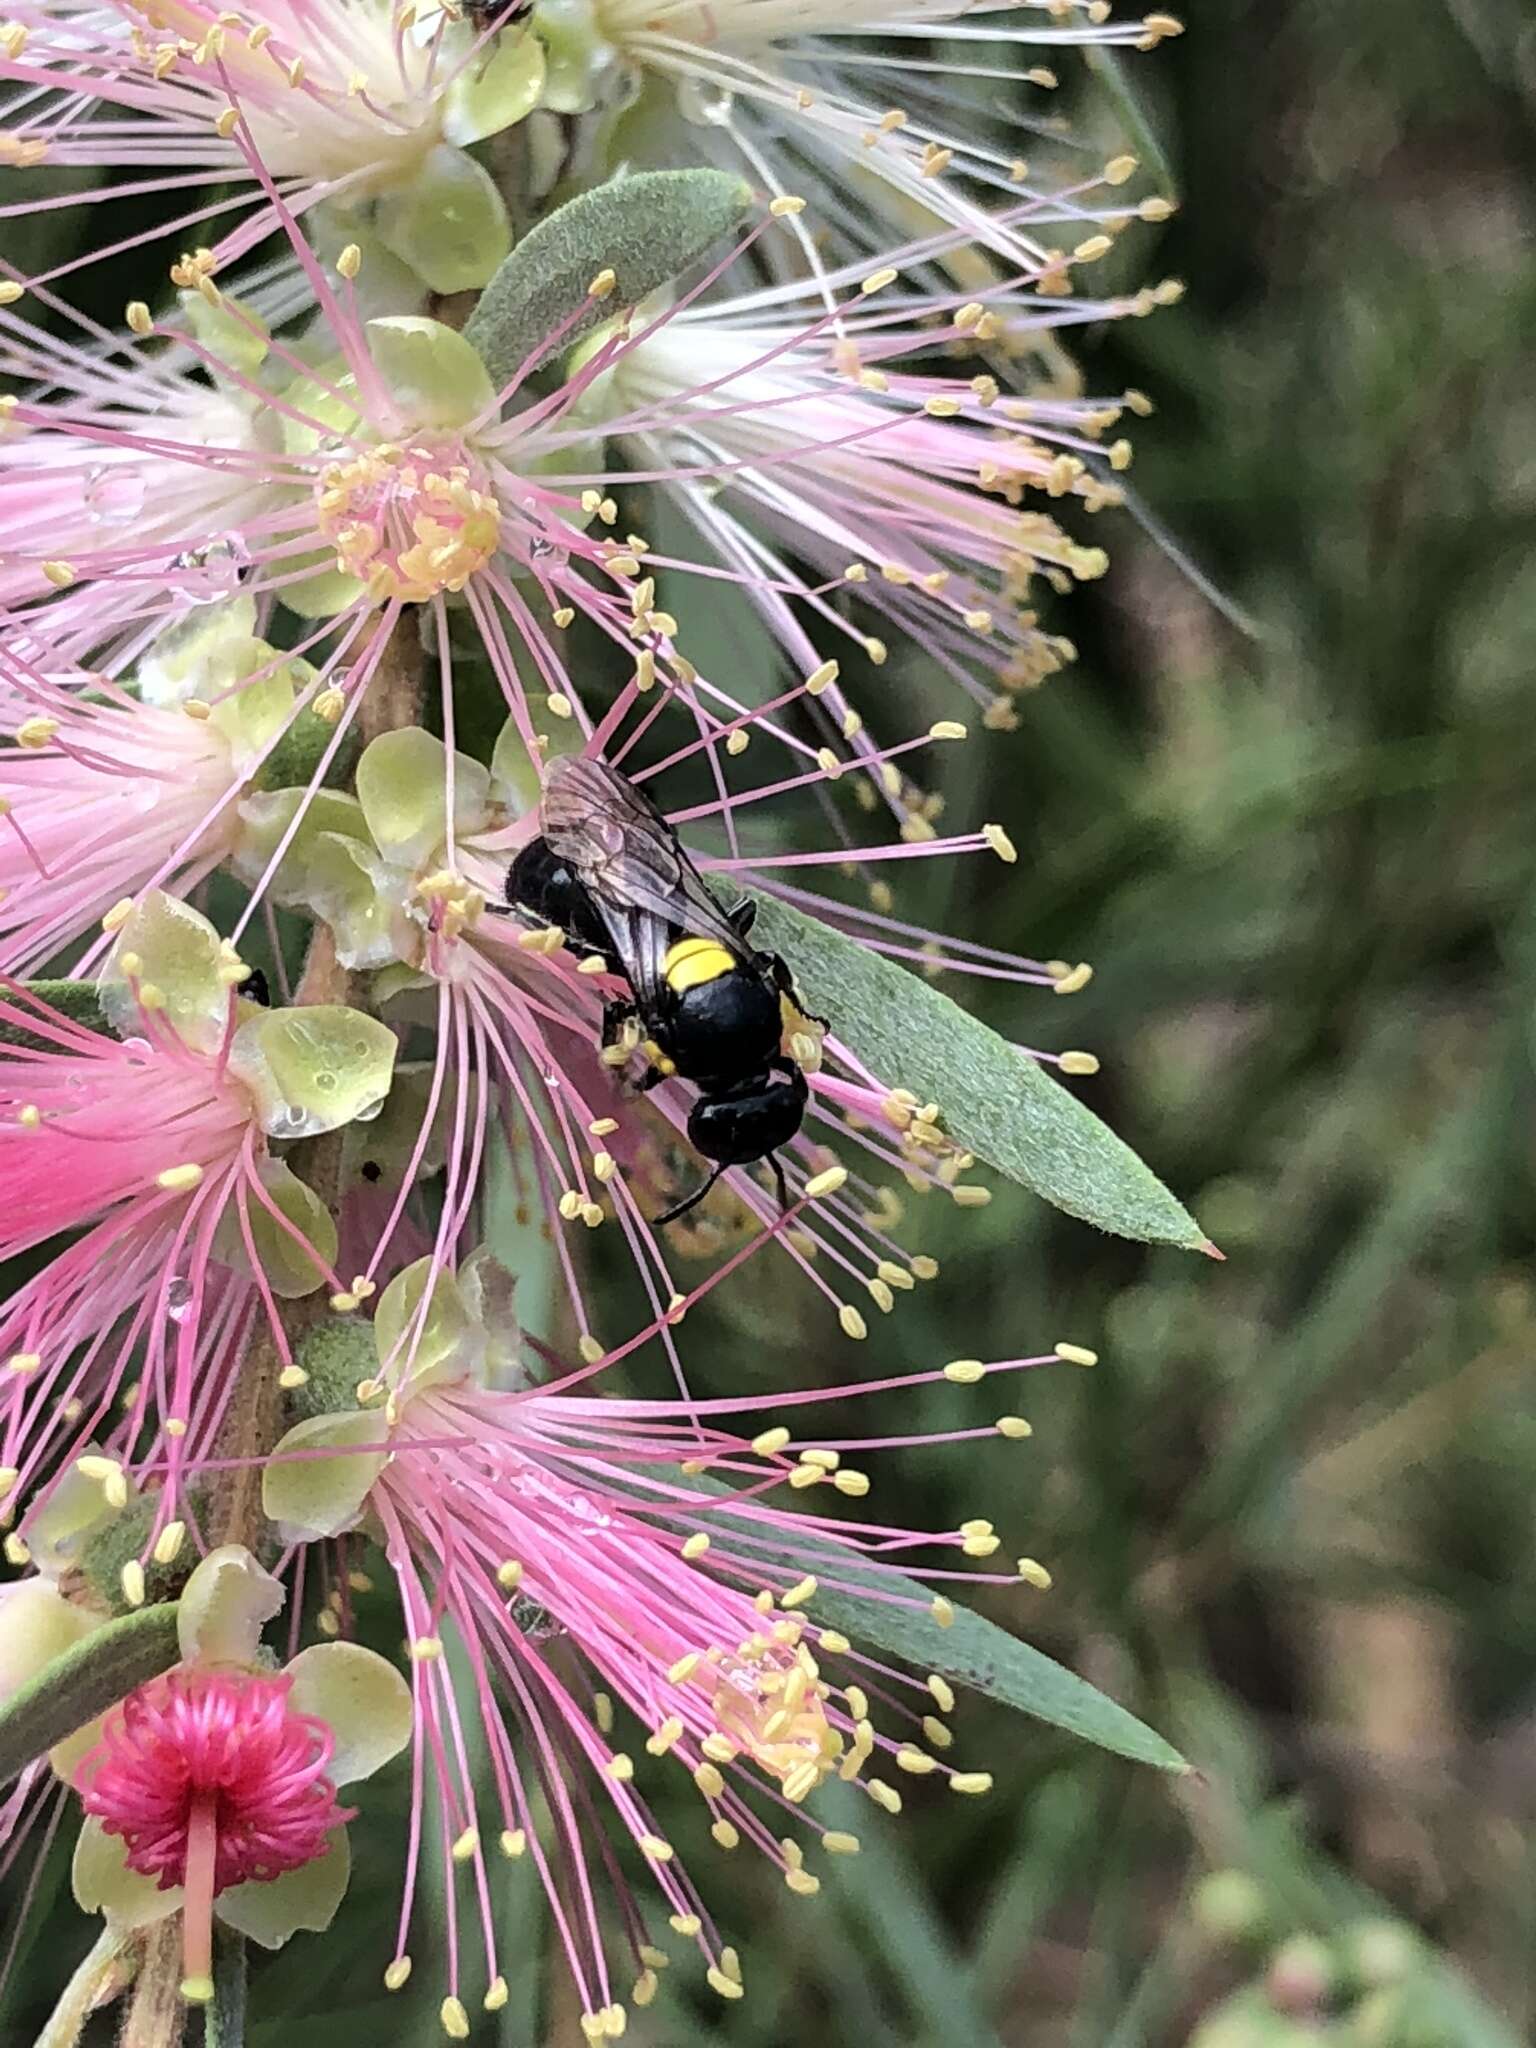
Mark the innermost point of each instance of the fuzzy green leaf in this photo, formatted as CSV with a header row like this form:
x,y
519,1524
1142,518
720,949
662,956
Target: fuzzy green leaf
x,y
971,1650
646,229
79,1001
995,1102
95,1674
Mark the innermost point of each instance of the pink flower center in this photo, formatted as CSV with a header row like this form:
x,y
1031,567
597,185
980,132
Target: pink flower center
x,y
200,1750
409,522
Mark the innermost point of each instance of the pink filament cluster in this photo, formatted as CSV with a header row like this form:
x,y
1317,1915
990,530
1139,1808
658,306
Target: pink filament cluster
x,y
200,1743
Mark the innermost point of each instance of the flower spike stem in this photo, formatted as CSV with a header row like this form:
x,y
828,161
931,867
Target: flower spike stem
x,y
157,2016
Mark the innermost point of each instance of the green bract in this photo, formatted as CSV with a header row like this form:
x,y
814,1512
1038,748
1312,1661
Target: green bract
x,y
294,1262
433,376
172,956
402,785
314,1068
449,224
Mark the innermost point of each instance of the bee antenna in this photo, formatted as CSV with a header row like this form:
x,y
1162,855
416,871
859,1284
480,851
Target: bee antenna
x,y
691,1201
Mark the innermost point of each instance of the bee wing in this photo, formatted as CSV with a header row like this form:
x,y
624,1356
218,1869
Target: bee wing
x,y
631,860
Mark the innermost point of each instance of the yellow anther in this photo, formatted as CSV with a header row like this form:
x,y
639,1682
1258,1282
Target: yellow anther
x,y
602,285
1073,980
965,1372
168,1543
1033,1573
972,1782
512,1842
1078,1063
466,1845
620,1768
802,1590
696,1545
497,1995
426,1649
770,1442
1076,1354
853,1323
175,1179
684,1668
826,1183
942,1610
1000,843
454,2018
1013,1426
350,261
883,1794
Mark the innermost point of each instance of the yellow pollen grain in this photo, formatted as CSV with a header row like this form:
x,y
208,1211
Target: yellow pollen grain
x,y
426,1649
877,281
59,574
696,1545
21,1363
512,1843
292,1376
590,1348
1013,1426
852,1322
466,1845
725,1986
196,1990
1000,843
685,1924
1033,1573
1078,1063
168,1543
620,1768
942,1610
1076,1354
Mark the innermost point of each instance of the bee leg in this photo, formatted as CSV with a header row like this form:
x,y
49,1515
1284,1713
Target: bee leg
x,y
651,1078
779,1181
744,916
616,1015
690,1201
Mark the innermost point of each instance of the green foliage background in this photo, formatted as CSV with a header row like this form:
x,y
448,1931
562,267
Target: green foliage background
x,y
1291,1514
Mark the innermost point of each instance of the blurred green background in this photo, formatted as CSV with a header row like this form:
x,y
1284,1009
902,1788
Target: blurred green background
x,y
1291,1513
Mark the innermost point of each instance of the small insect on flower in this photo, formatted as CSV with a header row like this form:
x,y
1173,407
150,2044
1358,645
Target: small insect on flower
x,y
610,873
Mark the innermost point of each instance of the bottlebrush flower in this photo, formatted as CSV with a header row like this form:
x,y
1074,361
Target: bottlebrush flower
x,y
107,794
155,1150
872,110
519,1518
212,1790
357,110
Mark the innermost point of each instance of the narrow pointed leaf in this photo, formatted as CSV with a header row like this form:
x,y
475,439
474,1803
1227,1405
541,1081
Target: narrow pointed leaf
x,y
971,1650
101,1669
995,1102
647,229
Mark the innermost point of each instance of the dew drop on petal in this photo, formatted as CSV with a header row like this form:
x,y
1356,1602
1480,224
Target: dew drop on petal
x,y
208,574
114,493
705,103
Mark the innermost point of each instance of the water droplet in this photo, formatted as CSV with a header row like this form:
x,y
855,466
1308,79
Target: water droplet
x,y
543,553
703,102
325,1080
114,493
178,1298
213,572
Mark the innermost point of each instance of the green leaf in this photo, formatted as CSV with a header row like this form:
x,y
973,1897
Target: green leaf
x,y
79,1001
101,1669
995,1102
646,229
971,1650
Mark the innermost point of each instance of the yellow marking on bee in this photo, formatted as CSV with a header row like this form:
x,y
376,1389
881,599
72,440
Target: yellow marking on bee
x,y
690,963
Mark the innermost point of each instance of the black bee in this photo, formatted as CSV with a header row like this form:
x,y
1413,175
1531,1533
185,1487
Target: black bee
x,y
609,872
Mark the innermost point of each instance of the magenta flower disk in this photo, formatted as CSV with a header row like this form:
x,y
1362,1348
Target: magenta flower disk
x,y
203,1765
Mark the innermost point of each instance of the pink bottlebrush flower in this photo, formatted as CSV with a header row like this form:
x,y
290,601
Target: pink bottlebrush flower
x,y
357,111
397,474
515,1521
107,795
869,107
153,1149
